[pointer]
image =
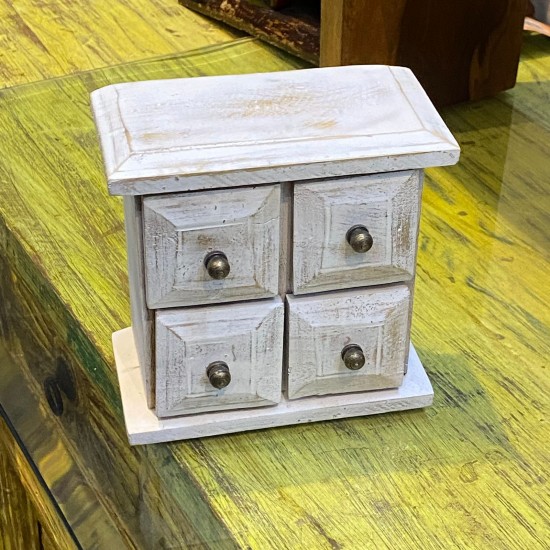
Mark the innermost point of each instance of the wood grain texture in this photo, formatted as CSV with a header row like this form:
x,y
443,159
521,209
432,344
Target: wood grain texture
x,y
263,128
458,50
142,317
109,492
321,326
19,527
100,249
110,482
386,204
28,517
481,327
248,337
181,230
48,38
144,427
87,490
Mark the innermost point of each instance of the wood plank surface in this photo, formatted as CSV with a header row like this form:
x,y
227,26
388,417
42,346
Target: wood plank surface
x,y
51,450
99,250
145,511
469,472
48,38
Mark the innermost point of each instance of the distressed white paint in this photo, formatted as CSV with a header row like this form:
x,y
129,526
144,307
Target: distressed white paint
x,y
142,317
247,336
226,135
320,326
143,426
386,204
224,131
180,230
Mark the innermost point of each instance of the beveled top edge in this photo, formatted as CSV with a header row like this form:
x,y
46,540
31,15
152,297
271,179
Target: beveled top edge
x,y
379,119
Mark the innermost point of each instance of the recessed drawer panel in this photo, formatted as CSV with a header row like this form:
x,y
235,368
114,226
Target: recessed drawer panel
x,y
214,246
356,231
347,341
219,357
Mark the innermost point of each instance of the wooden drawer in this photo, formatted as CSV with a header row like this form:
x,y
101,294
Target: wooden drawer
x,y
194,344
181,231
386,205
321,328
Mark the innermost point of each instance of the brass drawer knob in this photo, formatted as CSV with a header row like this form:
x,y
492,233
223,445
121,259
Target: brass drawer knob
x,y
359,238
218,374
353,357
217,265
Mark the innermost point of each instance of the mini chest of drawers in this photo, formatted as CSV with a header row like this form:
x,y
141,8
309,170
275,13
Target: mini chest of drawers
x,y
272,224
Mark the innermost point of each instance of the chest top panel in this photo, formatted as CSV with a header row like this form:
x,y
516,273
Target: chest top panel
x,y
225,131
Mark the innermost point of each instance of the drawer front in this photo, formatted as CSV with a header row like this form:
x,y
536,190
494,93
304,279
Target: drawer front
x,y
198,350
331,335
182,231
383,209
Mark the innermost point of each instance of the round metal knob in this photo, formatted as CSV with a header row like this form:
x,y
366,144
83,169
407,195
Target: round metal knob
x,y
359,238
217,265
353,357
218,374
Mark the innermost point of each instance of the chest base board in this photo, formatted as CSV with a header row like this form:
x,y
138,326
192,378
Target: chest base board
x,y
143,426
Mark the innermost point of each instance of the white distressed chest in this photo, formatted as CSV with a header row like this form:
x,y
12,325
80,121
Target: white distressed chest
x,y
272,223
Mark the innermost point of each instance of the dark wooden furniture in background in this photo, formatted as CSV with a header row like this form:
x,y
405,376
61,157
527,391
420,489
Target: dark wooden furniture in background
x,y
460,51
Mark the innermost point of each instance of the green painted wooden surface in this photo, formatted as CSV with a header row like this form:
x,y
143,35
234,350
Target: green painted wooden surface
x,y
470,472
49,38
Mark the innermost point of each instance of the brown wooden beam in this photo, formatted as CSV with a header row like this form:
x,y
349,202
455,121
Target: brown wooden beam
x,y
292,30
